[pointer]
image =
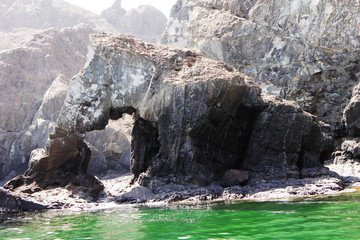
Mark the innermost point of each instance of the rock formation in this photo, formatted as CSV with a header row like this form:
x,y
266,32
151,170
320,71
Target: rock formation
x,y
30,97
35,79
306,51
145,22
35,68
10,203
44,14
195,119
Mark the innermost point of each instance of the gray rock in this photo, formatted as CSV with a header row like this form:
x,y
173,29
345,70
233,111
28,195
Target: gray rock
x,y
44,14
352,148
137,194
34,81
308,49
36,64
286,143
11,203
194,118
112,148
351,116
145,22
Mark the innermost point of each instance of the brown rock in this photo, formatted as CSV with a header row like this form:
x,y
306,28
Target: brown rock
x,y
234,177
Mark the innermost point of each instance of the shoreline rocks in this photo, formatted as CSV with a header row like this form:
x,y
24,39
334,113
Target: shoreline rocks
x,y
44,44
202,130
121,191
194,118
197,121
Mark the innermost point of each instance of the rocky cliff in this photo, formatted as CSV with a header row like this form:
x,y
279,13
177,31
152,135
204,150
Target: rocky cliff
x,y
306,51
145,22
34,82
196,120
35,68
43,14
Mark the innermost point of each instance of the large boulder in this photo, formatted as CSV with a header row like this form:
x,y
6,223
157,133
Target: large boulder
x,y
12,203
195,118
286,144
36,64
306,51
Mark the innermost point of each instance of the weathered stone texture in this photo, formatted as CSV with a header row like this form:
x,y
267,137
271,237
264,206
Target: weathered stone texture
x,y
44,14
194,118
11,203
34,81
283,131
308,49
144,22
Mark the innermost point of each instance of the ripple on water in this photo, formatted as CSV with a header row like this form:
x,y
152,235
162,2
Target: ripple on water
x,y
325,218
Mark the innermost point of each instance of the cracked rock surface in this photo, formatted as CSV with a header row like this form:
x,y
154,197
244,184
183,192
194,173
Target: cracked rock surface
x,y
195,118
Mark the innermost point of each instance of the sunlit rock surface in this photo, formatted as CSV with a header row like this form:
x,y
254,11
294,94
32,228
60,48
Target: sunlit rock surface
x,y
36,64
34,81
307,49
194,119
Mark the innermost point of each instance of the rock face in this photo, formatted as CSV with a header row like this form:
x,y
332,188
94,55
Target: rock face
x,y
306,51
284,131
145,22
194,118
110,149
44,14
35,68
34,81
19,19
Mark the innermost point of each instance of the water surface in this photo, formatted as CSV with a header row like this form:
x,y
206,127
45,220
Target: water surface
x,y
325,218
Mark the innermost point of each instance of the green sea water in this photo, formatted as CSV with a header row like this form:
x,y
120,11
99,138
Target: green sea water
x,y
325,218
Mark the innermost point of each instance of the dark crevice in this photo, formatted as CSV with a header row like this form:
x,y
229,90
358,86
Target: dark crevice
x,y
326,155
145,145
223,140
116,114
252,116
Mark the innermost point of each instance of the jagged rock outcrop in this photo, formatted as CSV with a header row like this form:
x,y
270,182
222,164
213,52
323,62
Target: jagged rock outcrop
x,y
145,22
350,145
24,63
44,14
351,115
35,80
20,19
27,77
194,119
307,51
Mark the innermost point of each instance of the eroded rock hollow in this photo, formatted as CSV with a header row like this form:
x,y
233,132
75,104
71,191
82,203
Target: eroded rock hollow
x,y
196,120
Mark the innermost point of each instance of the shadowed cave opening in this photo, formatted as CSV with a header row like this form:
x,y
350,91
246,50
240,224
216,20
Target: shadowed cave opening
x,y
217,143
110,147
222,140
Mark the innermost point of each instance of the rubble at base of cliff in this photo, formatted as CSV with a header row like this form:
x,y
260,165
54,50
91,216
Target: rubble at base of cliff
x,y
342,179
